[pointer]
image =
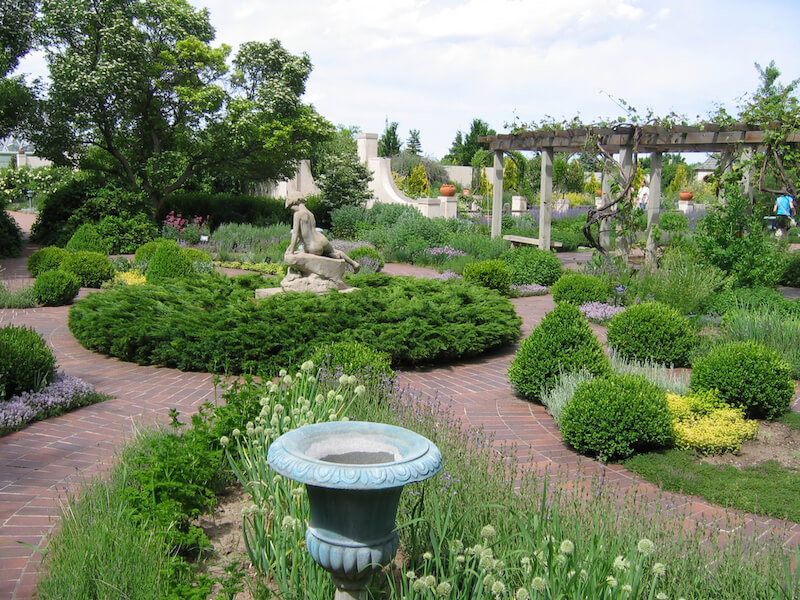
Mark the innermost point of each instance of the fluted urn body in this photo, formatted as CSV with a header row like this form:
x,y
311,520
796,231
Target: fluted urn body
x,y
354,474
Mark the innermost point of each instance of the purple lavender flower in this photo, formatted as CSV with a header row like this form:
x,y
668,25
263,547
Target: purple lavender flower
x,y
448,275
600,312
529,290
446,251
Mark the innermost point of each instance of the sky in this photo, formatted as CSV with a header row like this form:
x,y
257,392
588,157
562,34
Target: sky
x,y
435,65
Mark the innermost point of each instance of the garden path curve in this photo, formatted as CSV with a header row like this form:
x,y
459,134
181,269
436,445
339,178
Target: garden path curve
x,y
41,463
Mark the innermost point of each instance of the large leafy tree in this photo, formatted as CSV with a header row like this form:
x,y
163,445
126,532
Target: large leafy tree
x,y
16,39
464,146
139,92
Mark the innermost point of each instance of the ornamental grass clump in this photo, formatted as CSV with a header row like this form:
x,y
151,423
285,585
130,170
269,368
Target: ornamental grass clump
x,y
562,343
707,425
652,331
617,416
746,375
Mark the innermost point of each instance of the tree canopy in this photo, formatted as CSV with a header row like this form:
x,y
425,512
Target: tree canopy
x,y
464,147
139,92
16,39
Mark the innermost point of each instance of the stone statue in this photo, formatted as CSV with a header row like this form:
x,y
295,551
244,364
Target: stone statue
x,y
318,267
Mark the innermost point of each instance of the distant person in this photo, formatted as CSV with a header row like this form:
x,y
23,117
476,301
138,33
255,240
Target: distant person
x,y
784,209
642,195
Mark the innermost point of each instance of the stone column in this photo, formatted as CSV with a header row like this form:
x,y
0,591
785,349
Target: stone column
x,y
367,145
653,208
497,194
546,199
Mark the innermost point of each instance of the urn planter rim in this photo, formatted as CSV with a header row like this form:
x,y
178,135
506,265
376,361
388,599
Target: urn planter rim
x,y
407,457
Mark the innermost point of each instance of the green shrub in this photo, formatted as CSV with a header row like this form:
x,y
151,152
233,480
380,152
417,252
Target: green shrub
x,y
87,239
615,417
673,222
369,258
212,324
46,259
353,358
26,361
196,255
652,331
226,208
345,221
791,275
169,262
747,375
492,274
579,288
562,343
124,236
532,266
91,268
10,236
755,299
683,282
56,288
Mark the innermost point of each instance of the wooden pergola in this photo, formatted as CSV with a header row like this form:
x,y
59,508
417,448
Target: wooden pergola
x,y
621,140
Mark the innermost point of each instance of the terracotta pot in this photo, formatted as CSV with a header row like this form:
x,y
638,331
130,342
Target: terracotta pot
x,y
686,196
447,190
598,193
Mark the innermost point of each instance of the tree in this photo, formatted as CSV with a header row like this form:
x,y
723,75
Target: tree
x,y
389,143
414,146
343,179
138,92
16,38
464,146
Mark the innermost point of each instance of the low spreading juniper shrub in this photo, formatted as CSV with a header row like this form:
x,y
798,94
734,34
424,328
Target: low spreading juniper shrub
x,y
562,343
532,266
213,324
746,375
652,331
579,288
46,259
91,268
56,288
87,239
26,362
617,416
492,274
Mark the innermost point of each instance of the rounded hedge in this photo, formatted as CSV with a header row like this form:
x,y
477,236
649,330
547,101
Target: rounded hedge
x,y
145,252
26,361
373,261
169,262
87,239
579,288
616,416
208,323
353,358
46,259
492,274
562,343
747,375
56,288
91,268
532,266
652,331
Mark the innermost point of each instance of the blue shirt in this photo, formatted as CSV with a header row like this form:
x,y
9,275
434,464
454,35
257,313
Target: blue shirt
x,y
784,205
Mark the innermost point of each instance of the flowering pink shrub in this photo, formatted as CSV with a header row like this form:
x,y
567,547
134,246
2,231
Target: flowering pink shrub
x,y
189,230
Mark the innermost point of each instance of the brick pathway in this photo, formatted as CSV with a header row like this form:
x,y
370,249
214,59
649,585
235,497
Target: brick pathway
x,y
41,463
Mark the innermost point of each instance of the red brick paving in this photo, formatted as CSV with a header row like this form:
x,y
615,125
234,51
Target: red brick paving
x,y
41,463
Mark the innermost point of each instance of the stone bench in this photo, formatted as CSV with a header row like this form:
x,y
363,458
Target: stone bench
x,y
516,240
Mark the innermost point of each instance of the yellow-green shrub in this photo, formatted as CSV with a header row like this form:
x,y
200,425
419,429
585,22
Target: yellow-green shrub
x,y
707,425
126,278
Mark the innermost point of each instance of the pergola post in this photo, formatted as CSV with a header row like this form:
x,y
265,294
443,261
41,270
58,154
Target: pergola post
x,y
749,192
497,194
546,199
605,223
653,208
623,244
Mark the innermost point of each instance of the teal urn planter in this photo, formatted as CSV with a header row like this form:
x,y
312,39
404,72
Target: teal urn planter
x,y
354,473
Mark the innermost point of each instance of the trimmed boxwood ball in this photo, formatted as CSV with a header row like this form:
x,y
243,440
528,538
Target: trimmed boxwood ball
x,y
652,331
579,288
145,252
91,268
26,362
747,375
562,343
56,288
46,259
617,416
531,266
169,262
492,274
87,239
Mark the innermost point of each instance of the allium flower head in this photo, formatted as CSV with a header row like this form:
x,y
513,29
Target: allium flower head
x,y
566,547
645,546
539,584
488,532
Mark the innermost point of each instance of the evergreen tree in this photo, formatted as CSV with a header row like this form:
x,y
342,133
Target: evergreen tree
x,y
464,147
389,143
414,146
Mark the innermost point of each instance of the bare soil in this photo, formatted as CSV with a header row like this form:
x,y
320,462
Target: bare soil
x,y
775,441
